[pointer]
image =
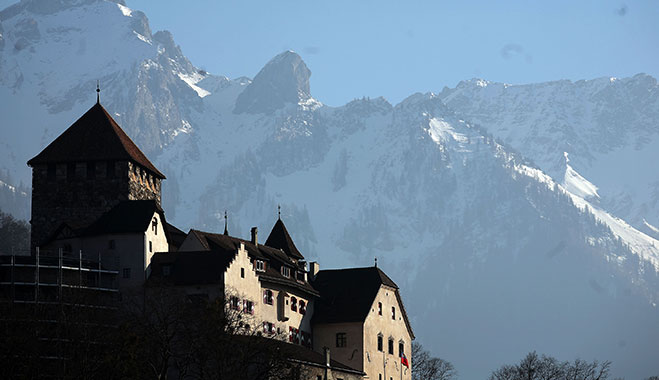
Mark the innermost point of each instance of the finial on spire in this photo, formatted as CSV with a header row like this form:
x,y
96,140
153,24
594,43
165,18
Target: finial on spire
x,y
376,262
279,212
98,92
226,230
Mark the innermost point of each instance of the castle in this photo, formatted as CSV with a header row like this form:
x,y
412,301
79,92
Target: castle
x,y
97,196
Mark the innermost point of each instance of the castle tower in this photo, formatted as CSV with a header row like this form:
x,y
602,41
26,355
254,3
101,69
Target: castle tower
x,y
83,173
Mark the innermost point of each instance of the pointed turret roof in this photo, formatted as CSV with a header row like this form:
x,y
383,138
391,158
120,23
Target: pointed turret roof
x,y
94,137
279,238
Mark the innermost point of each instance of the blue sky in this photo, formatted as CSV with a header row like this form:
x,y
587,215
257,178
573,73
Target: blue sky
x,y
396,48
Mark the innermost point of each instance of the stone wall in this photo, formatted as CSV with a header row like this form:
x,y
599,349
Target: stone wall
x,y
79,193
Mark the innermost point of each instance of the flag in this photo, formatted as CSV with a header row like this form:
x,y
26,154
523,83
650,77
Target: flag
x,y
403,361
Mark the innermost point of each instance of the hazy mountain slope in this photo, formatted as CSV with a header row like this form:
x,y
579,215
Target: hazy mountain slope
x,y
609,127
494,257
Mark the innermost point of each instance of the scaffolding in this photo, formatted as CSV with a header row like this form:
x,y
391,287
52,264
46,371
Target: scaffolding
x,y
52,305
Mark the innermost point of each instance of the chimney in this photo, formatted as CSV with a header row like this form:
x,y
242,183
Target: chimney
x,y
314,267
327,356
255,235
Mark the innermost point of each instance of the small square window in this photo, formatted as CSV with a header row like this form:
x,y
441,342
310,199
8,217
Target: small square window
x,y
126,273
341,340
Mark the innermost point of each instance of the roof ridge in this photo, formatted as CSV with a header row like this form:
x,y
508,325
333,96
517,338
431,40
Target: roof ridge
x,y
94,136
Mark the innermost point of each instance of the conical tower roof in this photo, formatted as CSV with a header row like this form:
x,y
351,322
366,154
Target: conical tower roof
x,y
279,238
94,137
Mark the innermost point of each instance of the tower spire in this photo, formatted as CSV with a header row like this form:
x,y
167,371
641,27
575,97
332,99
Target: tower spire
x,y
226,230
98,92
376,262
279,212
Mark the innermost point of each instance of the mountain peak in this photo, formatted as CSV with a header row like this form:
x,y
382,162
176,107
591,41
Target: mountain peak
x,y
284,79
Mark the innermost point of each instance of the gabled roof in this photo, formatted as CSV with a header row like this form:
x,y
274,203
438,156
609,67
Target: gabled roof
x,y
346,295
225,243
95,136
126,217
280,238
191,268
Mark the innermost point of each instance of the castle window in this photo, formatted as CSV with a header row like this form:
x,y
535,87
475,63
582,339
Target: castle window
x,y
293,304
380,343
379,308
341,339
259,265
150,246
268,299
242,272
91,170
71,171
303,307
391,346
51,172
126,273
248,307
109,169
393,312
154,226
269,328
401,349
286,272
234,303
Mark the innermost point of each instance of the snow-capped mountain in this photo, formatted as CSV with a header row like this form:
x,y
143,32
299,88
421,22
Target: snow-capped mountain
x,y
608,126
482,205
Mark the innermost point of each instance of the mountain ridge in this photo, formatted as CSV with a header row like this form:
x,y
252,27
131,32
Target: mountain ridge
x,y
432,186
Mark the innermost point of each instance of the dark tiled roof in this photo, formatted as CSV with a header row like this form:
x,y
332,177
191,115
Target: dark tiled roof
x,y
346,295
279,238
175,236
307,356
94,137
273,256
191,268
126,217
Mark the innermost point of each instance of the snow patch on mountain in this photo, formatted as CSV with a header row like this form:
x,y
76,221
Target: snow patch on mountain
x,y
576,184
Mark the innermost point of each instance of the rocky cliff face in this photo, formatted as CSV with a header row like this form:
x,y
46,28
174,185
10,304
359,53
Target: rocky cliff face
x,y
502,243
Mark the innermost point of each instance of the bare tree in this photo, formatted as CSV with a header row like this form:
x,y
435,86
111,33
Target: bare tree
x,y
175,336
426,367
534,367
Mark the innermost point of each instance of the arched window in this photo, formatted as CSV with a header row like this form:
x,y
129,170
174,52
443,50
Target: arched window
x,y
401,348
393,312
303,307
293,304
154,226
379,308
380,343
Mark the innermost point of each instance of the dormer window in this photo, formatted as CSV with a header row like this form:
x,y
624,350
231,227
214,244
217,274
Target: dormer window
x,y
286,272
259,265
